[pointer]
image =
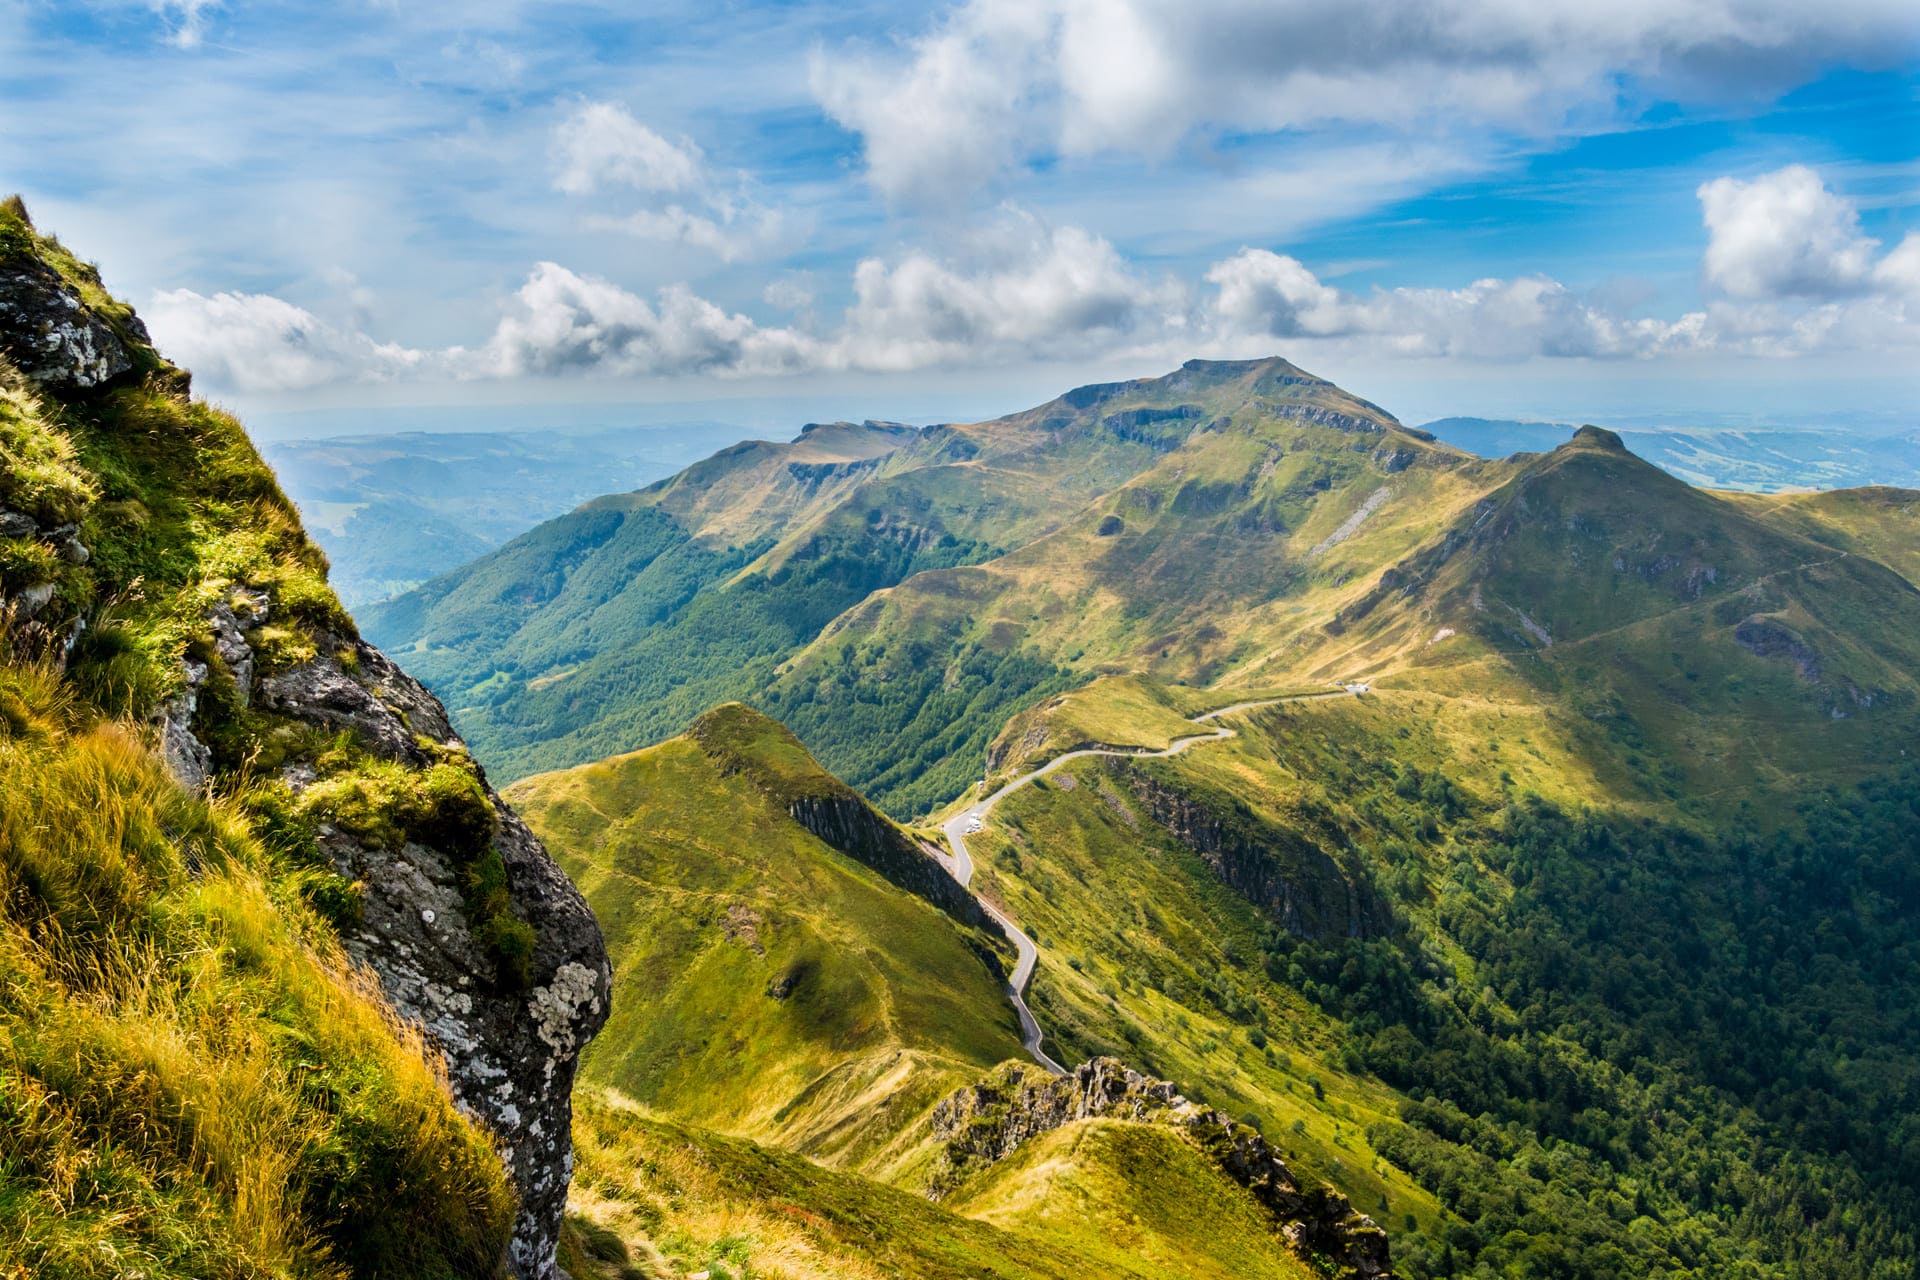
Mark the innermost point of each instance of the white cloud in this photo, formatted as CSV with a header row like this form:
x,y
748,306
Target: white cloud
x,y
1021,291
1783,234
562,322
601,145
1796,278
1898,274
998,83
1266,294
256,342
186,19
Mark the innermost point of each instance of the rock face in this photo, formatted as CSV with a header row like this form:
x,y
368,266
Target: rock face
x,y
511,1054
828,807
52,336
986,1122
510,1037
1291,878
850,825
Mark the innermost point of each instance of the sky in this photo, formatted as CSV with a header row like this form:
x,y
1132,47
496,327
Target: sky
x,y
1658,210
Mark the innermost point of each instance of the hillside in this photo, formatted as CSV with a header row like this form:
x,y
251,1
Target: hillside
x,y
782,979
881,585
286,990
786,961
895,596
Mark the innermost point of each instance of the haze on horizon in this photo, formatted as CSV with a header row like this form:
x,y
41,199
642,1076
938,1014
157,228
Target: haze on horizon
x,y
1558,210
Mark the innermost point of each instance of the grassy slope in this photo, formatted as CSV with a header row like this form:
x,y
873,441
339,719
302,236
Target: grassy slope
x,y
656,1198
711,896
618,624
1596,584
192,1083
1134,934
1130,1197
1112,711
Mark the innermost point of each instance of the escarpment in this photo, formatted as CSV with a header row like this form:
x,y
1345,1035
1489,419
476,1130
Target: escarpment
x,y
987,1122
147,554
742,741
1292,878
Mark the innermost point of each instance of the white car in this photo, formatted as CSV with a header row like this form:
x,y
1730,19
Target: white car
x,y
975,826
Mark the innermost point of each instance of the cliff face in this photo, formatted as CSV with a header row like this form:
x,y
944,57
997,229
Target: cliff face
x,y
987,1122
146,552
1292,878
743,742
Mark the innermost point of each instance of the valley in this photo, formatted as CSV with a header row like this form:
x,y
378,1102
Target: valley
x,y
1498,729
1198,826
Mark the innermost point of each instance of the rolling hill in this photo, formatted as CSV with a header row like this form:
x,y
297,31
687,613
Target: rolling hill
x,y
1443,941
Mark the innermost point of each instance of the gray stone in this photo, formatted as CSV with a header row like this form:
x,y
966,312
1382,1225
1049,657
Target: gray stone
x,y
511,1055
51,335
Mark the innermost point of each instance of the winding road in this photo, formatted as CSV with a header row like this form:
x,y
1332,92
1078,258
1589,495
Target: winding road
x,y
961,863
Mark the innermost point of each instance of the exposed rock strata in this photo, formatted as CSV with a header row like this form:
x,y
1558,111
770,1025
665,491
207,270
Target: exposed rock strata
x,y
1288,876
987,1122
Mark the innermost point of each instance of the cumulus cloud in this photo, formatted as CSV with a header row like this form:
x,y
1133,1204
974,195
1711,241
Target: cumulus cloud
x,y
257,342
1791,271
995,83
1020,290
1264,294
562,322
601,147
1783,234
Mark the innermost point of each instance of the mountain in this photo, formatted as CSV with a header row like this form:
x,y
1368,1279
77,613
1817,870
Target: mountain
x,y
895,595
786,958
789,980
1770,460
285,989
951,573
1519,846
394,510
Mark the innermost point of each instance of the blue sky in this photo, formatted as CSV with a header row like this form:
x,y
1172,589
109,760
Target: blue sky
x,y
1549,209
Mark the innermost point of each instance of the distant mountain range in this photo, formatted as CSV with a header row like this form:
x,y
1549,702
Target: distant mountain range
x,y
393,510
1759,460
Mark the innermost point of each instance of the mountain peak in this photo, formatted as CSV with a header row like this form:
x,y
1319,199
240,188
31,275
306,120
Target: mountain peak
x,y
1229,370
1592,437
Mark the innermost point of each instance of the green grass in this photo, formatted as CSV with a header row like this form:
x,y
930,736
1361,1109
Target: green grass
x,y
655,1197
1130,711
765,983
1087,1186
195,1082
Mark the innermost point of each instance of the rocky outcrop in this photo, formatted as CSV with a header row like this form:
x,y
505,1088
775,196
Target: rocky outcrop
x,y
511,1052
510,1033
1290,877
741,742
51,335
1766,637
986,1122
851,825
